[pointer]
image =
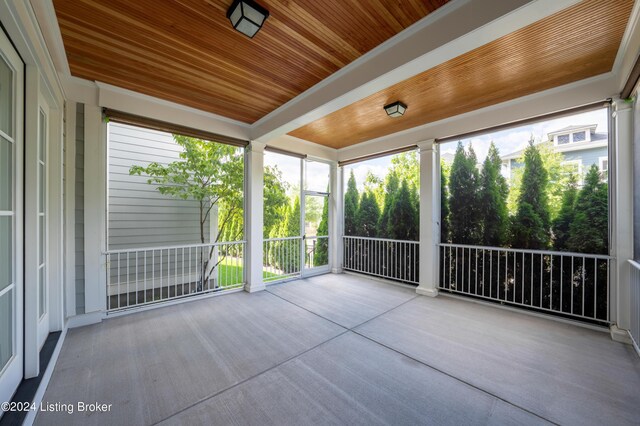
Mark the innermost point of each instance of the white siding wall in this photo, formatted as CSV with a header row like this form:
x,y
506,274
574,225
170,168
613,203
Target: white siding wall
x,y
139,216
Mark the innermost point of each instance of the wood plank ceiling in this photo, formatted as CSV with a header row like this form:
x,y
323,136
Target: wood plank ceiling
x,y
576,43
186,50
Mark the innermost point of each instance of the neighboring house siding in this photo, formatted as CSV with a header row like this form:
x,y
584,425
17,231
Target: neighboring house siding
x,y
139,215
79,213
586,156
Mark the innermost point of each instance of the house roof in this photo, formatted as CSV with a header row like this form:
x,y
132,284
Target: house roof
x,y
569,129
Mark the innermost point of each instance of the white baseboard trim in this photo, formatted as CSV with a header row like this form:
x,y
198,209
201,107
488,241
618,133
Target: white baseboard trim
x,y
429,292
517,310
255,288
85,319
379,279
46,377
178,301
620,335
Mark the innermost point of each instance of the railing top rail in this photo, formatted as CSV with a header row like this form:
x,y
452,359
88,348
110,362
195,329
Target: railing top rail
x,y
634,264
186,246
516,250
266,240
380,239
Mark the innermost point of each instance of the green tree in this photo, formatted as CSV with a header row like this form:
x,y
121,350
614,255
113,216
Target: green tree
x,y
350,206
321,254
444,206
562,223
275,197
391,187
211,174
493,200
404,225
465,219
558,178
531,223
290,252
589,231
368,215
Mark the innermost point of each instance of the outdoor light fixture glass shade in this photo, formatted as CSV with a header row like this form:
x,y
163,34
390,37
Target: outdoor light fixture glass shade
x,y
395,109
247,16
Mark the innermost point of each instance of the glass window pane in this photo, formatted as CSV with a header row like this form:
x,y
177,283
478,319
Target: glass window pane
x,y
316,176
6,328
41,187
6,98
41,239
42,288
6,175
6,251
316,215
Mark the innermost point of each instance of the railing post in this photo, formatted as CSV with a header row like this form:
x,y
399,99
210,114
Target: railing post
x,y
429,218
254,217
336,211
621,183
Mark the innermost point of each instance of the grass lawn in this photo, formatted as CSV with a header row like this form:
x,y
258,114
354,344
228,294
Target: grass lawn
x,y
230,274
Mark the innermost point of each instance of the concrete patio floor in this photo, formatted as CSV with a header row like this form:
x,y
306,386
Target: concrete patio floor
x,y
342,349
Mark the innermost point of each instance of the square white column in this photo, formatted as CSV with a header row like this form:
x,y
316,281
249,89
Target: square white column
x,y
621,219
429,218
254,217
336,215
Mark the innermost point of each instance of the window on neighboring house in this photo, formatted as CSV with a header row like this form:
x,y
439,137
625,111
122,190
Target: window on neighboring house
x,y
563,139
573,167
579,137
604,168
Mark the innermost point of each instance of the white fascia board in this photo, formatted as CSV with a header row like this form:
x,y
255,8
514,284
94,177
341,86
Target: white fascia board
x,y
148,106
301,146
449,32
48,21
557,99
629,48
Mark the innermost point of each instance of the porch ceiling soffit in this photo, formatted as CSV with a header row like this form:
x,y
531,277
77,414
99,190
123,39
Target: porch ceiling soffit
x,y
187,52
577,43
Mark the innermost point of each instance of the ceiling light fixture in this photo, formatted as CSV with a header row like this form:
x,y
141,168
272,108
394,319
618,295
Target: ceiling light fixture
x,y
395,109
247,16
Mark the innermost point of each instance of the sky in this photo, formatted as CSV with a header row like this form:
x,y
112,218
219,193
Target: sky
x,y
507,141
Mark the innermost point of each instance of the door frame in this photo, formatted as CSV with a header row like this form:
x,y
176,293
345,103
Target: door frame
x,y
12,373
323,269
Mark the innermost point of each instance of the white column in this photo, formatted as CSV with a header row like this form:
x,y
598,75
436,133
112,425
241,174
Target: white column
x,y
254,217
56,222
622,220
429,218
95,174
336,223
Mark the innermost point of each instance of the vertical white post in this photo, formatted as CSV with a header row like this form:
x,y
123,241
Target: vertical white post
x,y
70,208
31,349
622,220
336,223
95,166
254,217
429,218
56,222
